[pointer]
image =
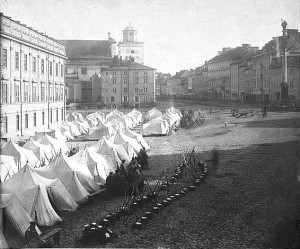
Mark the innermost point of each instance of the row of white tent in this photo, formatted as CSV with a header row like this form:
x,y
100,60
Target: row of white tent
x,y
65,181
161,123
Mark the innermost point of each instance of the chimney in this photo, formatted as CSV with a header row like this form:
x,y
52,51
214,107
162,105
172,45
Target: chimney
x,y
108,34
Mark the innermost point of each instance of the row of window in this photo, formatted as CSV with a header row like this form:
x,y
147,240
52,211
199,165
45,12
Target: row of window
x,y
125,81
125,99
4,125
56,93
126,73
125,90
34,64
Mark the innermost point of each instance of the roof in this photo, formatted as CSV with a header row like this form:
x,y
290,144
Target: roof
x,y
129,27
76,49
129,65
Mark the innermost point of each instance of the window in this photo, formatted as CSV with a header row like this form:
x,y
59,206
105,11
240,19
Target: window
x,y
42,66
114,73
17,60
83,70
34,95
51,93
62,114
34,64
50,67
17,91
145,89
136,90
125,81
4,59
145,80
106,73
43,117
125,98
18,122
25,62
4,93
56,69
114,81
106,81
136,73
125,89
43,92
34,119
125,73
291,84
62,70
145,72
56,93
26,92
136,99
51,116
112,99
4,125
62,93
136,80
114,90
26,121
56,115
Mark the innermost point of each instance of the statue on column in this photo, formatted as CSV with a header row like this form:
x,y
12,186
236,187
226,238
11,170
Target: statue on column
x,y
283,24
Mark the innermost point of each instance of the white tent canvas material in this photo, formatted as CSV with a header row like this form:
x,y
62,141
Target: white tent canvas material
x,y
73,128
57,145
15,213
65,169
8,167
59,168
154,127
21,155
31,190
98,165
138,137
42,152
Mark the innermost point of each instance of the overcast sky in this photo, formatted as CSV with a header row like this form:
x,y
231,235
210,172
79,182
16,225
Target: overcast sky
x,y
178,34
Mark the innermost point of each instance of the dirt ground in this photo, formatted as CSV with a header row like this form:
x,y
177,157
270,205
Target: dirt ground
x,y
250,200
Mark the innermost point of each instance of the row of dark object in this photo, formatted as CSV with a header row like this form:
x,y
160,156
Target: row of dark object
x,y
171,198
99,232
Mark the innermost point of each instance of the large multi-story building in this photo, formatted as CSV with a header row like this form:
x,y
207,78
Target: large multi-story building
x,y
130,47
160,82
86,59
32,80
127,83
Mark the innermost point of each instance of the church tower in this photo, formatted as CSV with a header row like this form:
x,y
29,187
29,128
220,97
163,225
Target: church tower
x,y
130,47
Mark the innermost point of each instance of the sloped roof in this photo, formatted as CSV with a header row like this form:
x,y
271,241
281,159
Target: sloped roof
x,y
233,54
87,48
129,65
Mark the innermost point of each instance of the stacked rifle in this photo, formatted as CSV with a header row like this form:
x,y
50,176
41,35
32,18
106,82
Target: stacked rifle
x,y
144,205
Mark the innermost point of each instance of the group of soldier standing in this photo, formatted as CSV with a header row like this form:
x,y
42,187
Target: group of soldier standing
x,y
130,177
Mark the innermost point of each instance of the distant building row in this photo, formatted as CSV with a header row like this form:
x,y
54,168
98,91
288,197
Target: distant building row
x,y
244,73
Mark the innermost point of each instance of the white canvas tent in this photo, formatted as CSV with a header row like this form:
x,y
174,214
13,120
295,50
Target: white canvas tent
x,y
56,144
65,130
138,137
42,152
98,165
31,190
154,127
8,167
15,213
21,155
121,138
75,176
74,131
154,113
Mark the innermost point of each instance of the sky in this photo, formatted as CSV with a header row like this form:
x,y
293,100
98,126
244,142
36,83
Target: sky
x,y
178,34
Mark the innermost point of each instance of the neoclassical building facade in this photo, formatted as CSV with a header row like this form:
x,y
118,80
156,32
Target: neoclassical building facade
x,y
32,80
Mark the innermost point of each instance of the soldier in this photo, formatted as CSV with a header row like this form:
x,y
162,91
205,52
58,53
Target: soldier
x,y
123,171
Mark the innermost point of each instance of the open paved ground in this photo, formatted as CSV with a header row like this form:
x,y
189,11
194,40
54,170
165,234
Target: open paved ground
x,y
246,202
